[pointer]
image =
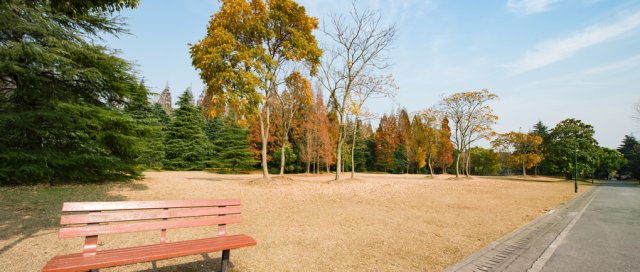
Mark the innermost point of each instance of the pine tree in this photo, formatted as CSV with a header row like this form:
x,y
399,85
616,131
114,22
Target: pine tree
x,y
186,145
405,137
150,148
630,149
231,146
61,95
160,114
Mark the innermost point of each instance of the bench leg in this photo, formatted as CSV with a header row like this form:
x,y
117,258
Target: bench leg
x,y
225,260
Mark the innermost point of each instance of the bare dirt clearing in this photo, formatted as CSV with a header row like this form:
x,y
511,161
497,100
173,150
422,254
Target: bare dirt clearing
x,y
310,223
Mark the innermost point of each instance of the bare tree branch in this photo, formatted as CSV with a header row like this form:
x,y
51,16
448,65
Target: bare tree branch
x,y
358,52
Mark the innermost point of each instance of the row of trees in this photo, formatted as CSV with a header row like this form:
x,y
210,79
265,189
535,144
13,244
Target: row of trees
x,y
555,152
70,110
253,51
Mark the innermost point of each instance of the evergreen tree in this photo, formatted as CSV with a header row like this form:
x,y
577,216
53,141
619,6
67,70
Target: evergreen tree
x,y
213,128
61,94
231,146
160,114
186,144
540,129
150,148
630,149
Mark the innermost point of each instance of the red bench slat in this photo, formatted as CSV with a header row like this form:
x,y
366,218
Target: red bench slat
x,y
138,205
70,219
109,258
146,226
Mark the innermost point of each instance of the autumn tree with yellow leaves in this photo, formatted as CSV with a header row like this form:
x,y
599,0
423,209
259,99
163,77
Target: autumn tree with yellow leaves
x,y
524,148
472,119
246,54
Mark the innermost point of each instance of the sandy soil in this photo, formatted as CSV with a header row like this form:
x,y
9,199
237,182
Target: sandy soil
x,y
309,223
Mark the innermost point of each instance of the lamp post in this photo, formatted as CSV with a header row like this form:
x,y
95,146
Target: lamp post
x,y
575,165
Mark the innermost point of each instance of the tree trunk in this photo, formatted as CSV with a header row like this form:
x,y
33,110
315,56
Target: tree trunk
x,y
264,135
285,136
458,164
430,167
339,153
524,171
282,158
535,172
468,158
353,149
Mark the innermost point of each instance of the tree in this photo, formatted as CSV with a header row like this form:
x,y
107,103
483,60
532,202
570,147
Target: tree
x,y
564,138
231,146
357,52
523,147
295,96
365,88
431,136
418,155
403,134
243,57
540,129
445,147
160,114
472,120
187,147
385,149
484,161
630,149
316,145
61,95
150,150
610,163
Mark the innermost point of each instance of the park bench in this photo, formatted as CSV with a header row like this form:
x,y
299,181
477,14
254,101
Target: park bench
x,y
91,219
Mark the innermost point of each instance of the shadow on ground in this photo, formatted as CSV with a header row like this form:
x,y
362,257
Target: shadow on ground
x,y
26,210
207,264
619,183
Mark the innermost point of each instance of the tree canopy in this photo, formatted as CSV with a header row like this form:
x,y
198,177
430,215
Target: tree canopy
x,y
242,58
61,94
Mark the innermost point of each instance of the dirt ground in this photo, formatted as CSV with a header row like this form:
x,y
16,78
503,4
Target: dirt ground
x,y
376,222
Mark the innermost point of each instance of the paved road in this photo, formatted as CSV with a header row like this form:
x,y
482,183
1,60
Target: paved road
x,y
607,235
598,231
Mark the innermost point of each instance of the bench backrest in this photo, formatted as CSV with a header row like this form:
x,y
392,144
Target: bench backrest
x,y
90,219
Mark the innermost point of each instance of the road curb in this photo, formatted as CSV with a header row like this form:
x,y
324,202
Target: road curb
x,y
520,249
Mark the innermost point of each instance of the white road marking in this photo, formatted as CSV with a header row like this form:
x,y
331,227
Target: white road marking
x,y
546,255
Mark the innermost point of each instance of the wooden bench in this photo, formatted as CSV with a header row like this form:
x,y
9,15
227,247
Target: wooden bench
x,y
91,219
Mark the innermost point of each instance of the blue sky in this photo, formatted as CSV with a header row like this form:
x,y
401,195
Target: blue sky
x,y
546,59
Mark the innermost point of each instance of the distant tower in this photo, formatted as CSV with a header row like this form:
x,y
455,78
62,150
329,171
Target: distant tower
x,y
165,100
200,98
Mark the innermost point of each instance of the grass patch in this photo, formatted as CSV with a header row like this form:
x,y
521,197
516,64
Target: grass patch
x,y
26,210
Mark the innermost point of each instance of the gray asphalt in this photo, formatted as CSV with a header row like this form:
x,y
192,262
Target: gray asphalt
x,y
597,231
607,235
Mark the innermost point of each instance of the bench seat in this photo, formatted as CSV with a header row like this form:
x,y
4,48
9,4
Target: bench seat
x,y
123,256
